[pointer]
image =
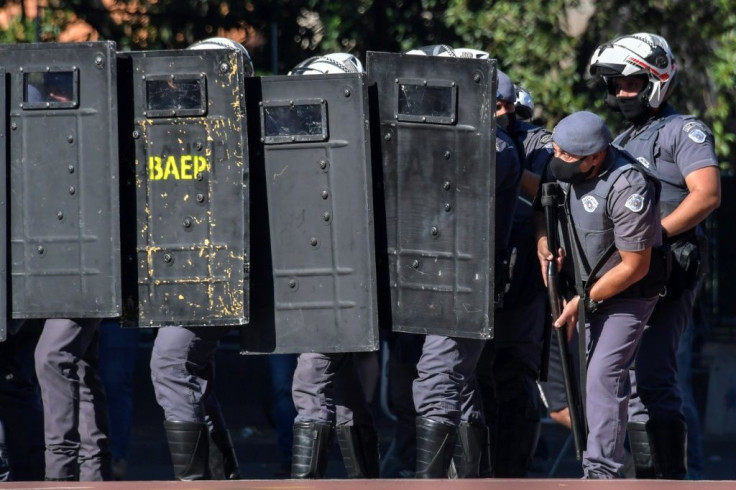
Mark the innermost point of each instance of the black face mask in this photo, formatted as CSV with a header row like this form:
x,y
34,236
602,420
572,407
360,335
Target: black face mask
x,y
568,171
634,109
506,121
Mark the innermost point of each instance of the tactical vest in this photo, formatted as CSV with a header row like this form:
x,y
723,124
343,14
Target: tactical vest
x,y
592,227
642,147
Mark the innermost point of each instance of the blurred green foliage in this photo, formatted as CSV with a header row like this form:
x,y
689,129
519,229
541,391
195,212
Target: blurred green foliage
x,y
544,45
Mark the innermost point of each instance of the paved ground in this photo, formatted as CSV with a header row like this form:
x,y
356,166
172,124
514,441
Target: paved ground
x,y
243,390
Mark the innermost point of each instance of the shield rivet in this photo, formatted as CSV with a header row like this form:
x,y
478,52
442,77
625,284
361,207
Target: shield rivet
x,y
326,216
448,207
59,215
70,138
434,231
347,92
71,169
387,137
198,145
325,194
200,198
136,134
99,60
416,263
224,67
292,283
168,258
476,78
200,176
446,186
14,126
40,250
323,164
187,223
313,241
447,154
72,190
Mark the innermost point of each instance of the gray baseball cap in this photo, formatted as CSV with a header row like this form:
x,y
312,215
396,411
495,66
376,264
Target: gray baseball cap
x,y
581,133
505,90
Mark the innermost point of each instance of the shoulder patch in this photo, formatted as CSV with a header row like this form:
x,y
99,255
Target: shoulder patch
x,y
590,203
697,136
547,138
635,202
644,162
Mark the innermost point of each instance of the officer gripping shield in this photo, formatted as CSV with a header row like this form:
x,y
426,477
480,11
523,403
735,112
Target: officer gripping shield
x,y
436,145
310,161
185,187
62,146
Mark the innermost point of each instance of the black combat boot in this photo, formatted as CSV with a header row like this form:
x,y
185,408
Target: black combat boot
x,y
640,450
359,448
471,448
516,437
435,445
189,447
312,441
668,440
222,459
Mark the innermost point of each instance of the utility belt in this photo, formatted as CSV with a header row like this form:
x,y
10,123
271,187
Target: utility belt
x,y
655,283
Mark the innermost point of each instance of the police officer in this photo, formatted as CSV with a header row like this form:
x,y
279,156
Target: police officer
x,y
327,389
446,394
74,403
510,364
21,411
183,371
640,72
612,214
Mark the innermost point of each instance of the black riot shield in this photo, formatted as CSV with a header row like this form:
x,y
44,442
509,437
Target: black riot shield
x,y
64,194
436,145
313,245
4,313
185,187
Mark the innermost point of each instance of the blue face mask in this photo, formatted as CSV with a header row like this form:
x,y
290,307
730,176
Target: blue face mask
x,y
568,171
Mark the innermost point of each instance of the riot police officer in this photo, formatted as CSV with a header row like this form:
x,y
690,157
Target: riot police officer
x,y
640,72
21,411
183,371
612,218
74,403
446,392
510,364
327,389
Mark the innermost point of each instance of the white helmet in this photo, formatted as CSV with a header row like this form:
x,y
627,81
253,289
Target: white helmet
x,y
471,53
448,52
434,50
638,54
226,43
329,63
524,103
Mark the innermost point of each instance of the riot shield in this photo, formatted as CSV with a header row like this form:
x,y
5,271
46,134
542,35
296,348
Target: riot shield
x,y
185,187
313,244
436,142
4,313
64,196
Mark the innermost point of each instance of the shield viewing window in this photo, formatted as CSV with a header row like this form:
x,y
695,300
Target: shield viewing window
x,y
50,89
182,95
429,101
294,121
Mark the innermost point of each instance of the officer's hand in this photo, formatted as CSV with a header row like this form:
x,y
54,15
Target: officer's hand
x,y
568,317
545,256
